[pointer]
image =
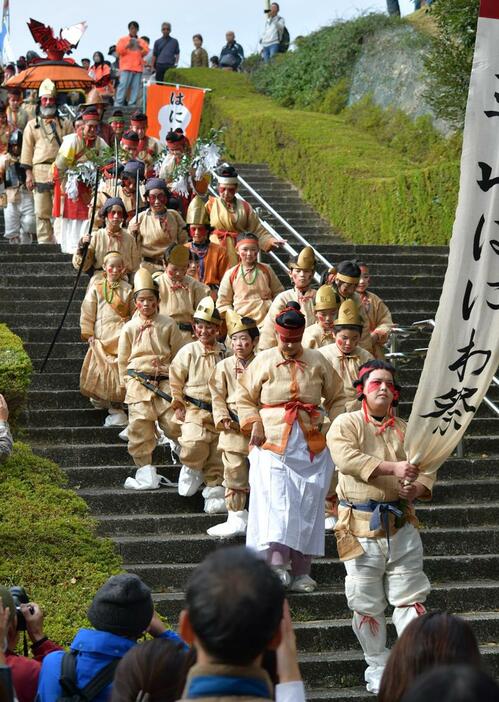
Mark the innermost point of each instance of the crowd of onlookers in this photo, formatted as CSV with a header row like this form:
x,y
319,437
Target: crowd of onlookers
x,y
235,640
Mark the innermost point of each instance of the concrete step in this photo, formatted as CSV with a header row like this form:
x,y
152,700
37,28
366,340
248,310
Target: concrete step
x,y
62,350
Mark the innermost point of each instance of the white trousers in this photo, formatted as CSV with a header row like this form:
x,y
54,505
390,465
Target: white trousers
x,y
20,217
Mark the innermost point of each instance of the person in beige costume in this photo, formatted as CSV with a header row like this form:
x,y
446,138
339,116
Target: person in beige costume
x,y
321,332
345,283
42,137
302,270
147,345
189,373
224,387
107,306
125,190
378,315
375,533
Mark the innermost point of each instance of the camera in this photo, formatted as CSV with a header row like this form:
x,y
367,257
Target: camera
x,y
20,597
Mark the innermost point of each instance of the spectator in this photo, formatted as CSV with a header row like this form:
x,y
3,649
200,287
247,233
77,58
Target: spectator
x,y
165,53
393,8
131,51
85,63
156,670
121,611
434,639
148,69
232,54
25,671
5,435
272,32
214,62
454,683
100,71
199,57
10,70
21,63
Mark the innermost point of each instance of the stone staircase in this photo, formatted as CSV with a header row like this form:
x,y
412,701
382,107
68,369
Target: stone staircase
x,y
162,536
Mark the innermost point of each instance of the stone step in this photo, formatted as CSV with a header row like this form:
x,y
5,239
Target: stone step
x,y
75,349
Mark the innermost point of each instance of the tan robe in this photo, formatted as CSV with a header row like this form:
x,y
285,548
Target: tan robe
x,y
315,337
268,338
347,366
100,243
179,303
248,299
102,320
272,380
154,237
239,218
379,320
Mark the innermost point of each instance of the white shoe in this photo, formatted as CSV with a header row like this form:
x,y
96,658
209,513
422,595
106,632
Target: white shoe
x,y
146,478
237,523
330,523
123,435
303,583
283,575
116,418
189,481
214,500
26,238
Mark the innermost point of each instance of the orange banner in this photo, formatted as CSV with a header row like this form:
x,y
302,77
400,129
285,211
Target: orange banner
x,y
169,107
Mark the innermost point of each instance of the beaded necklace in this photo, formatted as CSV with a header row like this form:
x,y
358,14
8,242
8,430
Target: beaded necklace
x,y
243,273
114,286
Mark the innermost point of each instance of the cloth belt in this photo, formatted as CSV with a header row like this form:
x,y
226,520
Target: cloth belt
x,y
223,235
381,511
184,326
208,407
292,408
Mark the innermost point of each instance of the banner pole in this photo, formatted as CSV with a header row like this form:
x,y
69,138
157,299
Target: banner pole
x,y
182,85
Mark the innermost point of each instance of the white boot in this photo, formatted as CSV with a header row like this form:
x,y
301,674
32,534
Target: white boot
x,y
146,478
214,500
236,524
371,633
116,418
283,574
189,481
123,435
330,523
303,583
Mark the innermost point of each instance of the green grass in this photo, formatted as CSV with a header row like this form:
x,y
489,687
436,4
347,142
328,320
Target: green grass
x,y
15,372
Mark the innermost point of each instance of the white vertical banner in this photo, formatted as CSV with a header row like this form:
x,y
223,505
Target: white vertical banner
x,y
463,354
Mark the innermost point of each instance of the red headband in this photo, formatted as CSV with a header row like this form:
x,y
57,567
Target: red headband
x,y
287,334
130,142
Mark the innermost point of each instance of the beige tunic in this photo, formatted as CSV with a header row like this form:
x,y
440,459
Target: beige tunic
x,y
180,301
347,366
379,320
40,146
268,338
106,192
150,150
148,346
224,388
315,337
273,380
17,119
101,242
249,299
189,374
157,233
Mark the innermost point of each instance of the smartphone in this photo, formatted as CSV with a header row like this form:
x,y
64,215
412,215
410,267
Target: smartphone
x,y
6,687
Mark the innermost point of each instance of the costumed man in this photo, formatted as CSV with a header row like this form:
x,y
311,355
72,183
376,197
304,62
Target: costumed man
x,y
149,148
125,190
147,345
375,532
377,313
301,272
42,138
179,295
249,287
321,333
17,116
345,284
290,467
213,260
4,130
96,101
189,374
129,145
223,384
19,213
107,306
111,237
157,227
344,354
229,216
75,197
117,123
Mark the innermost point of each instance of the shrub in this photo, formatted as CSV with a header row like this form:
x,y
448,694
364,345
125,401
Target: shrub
x,y
15,371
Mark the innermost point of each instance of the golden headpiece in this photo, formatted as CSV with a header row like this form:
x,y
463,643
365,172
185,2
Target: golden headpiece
x,y
143,281
349,315
235,323
196,213
325,299
305,260
207,311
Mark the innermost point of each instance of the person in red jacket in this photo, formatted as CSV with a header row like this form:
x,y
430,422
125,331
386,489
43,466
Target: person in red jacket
x,y
25,671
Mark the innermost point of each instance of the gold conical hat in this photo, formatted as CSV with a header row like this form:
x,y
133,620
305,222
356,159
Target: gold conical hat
x,y
143,281
349,314
235,323
47,89
305,260
207,311
325,299
196,212
178,256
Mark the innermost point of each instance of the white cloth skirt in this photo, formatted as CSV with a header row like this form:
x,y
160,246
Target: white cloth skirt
x,y
70,233
287,495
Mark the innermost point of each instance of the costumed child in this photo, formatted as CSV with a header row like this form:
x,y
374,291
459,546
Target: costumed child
x,y
189,374
213,260
147,345
111,237
345,284
223,383
375,533
19,212
302,270
321,333
378,315
179,294
249,287
158,226
290,467
107,306
126,190
149,148
345,355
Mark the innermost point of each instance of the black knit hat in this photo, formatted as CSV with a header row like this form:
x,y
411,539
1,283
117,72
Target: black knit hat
x,y
348,272
122,606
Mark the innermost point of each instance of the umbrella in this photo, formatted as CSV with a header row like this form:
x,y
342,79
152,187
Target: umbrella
x,y
65,75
